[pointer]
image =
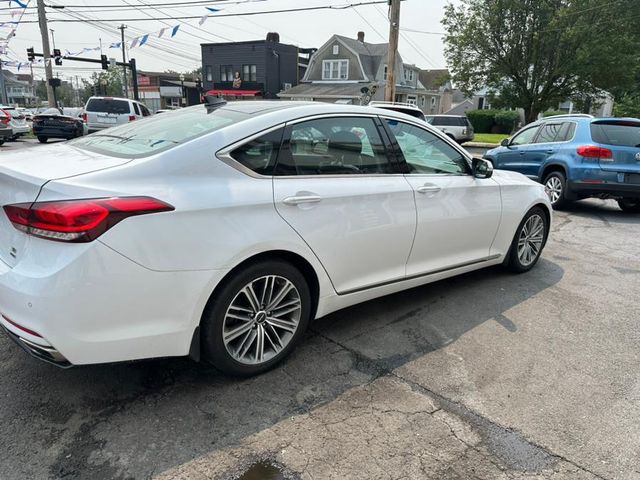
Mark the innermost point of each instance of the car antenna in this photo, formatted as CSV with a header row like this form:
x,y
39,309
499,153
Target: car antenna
x,y
213,102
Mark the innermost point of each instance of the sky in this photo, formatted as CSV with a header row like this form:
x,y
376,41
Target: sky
x,y
182,52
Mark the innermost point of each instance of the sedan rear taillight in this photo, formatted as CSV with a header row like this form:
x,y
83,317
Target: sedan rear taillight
x,y
592,151
79,220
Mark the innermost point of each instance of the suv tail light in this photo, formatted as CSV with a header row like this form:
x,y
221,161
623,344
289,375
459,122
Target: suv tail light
x,y
79,220
85,117
132,118
591,151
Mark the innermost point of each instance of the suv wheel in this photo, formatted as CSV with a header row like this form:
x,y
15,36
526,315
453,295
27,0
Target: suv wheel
x,y
256,319
528,241
629,205
556,187
42,139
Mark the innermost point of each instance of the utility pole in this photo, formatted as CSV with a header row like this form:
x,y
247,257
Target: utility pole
x,y
46,52
124,60
394,30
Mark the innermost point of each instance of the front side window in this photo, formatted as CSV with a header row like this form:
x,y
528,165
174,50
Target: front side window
x,y
334,146
425,153
525,136
335,69
259,155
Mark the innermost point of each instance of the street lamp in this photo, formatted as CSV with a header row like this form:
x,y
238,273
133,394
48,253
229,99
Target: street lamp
x,y
183,102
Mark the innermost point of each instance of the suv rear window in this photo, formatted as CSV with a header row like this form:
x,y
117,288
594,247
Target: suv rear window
x,y
108,105
622,134
448,121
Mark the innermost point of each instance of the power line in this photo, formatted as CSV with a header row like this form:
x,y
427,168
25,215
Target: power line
x,y
170,4
239,14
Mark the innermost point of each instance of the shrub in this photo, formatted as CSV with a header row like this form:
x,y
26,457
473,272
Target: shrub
x,y
493,121
551,113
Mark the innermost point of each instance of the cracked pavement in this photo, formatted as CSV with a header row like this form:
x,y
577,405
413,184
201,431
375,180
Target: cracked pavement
x,y
484,376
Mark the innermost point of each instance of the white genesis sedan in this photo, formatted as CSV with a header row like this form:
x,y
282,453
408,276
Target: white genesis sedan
x,y
220,231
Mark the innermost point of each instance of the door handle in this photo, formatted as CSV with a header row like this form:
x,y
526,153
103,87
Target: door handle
x,y
428,188
300,199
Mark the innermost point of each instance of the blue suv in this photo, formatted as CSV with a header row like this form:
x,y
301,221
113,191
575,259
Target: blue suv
x,y
576,157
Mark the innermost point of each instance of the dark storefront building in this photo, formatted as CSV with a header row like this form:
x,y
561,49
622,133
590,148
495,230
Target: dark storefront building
x,y
254,69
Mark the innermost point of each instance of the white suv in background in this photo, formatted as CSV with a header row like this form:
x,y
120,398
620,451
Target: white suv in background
x,y
18,122
105,112
456,127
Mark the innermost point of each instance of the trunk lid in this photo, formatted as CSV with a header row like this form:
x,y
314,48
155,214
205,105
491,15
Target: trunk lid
x,y
23,174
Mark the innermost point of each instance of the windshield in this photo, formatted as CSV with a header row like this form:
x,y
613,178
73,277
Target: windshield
x,y
154,134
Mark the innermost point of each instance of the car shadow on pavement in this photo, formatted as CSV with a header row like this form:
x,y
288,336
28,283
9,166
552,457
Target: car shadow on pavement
x,y
132,420
605,210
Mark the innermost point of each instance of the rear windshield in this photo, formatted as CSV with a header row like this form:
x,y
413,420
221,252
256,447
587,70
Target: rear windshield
x,y
108,105
157,133
448,121
622,134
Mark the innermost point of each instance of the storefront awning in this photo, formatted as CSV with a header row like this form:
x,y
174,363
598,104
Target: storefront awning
x,y
235,93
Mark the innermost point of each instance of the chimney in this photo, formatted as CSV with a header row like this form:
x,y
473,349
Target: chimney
x,y
273,37
361,37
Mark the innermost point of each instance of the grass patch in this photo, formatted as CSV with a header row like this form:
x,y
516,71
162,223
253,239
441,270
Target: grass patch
x,y
495,138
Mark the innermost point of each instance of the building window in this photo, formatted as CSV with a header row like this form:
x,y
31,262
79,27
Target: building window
x,y
335,69
209,73
249,73
384,75
408,75
226,73
398,98
412,100
423,101
336,49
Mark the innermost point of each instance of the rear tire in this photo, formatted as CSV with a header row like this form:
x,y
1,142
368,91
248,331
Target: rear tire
x,y
42,139
629,205
555,185
246,336
528,241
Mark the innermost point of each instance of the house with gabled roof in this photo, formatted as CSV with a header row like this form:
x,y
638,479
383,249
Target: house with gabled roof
x,y
344,69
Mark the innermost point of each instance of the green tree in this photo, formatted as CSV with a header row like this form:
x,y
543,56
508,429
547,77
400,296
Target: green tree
x,y
534,54
107,82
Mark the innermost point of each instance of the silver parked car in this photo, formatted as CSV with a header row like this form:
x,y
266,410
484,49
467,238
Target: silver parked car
x,y
456,127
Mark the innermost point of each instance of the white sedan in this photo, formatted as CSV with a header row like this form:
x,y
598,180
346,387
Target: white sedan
x,y
221,231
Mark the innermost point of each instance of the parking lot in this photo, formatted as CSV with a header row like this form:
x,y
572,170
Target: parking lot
x,y
485,376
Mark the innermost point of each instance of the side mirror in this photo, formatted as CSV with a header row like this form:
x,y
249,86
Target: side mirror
x,y
504,142
481,168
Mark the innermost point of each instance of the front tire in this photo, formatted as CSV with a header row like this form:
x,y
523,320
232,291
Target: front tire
x,y
528,241
256,319
42,139
555,185
629,205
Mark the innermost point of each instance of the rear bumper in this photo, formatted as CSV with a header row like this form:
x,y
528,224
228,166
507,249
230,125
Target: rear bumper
x,y
56,132
92,305
5,133
608,189
20,130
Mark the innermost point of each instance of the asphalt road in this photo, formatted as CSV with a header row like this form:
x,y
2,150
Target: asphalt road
x,y
485,376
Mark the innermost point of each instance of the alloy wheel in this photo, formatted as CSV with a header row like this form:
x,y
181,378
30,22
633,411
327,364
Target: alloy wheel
x,y
530,240
261,319
553,188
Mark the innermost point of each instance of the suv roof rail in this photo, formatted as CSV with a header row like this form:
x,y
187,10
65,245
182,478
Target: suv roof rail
x,y
566,115
375,103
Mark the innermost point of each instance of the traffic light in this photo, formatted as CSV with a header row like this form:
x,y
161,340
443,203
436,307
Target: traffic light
x,y
57,56
105,62
31,54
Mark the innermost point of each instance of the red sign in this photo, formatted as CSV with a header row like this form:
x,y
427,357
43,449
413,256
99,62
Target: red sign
x,y
144,80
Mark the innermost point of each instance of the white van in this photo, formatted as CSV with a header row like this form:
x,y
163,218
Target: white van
x,y
105,112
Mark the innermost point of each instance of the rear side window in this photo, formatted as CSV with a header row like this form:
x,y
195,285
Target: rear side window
x,y
259,155
566,132
622,134
108,105
548,133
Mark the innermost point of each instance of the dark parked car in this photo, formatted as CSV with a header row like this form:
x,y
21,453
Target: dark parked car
x,y
52,124
577,156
